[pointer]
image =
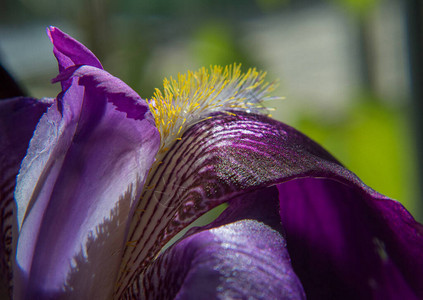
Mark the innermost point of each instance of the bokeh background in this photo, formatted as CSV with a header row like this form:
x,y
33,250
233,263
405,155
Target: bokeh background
x,y
350,70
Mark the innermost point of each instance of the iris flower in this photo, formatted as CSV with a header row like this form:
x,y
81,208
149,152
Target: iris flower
x,y
96,182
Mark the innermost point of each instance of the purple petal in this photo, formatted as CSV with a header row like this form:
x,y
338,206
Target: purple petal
x,y
242,260
226,156
69,52
121,95
18,118
346,243
216,160
84,170
190,269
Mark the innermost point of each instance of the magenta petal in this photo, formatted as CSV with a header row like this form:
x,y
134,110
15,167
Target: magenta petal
x,y
242,260
84,170
18,118
70,52
349,244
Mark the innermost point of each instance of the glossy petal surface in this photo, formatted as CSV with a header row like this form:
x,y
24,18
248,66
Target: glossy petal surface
x,y
217,160
227,156
85,167
240,260
245,240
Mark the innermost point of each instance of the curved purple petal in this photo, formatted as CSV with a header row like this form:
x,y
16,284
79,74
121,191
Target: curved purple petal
x,y
18,118
69,52
349,244
83,172
241,260
217,160
121,95
188,270
226,156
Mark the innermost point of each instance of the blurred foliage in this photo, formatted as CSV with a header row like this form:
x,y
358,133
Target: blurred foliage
x,y
358,7
214,42
269,5
374,141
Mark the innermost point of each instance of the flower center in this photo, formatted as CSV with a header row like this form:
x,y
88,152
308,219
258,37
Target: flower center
x,y
193,96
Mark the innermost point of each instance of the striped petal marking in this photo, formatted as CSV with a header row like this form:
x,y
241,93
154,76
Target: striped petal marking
x,y
176,193
14,139
215,161
225,149
226,152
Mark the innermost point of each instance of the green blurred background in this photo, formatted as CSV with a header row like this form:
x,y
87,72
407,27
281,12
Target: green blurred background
x,y
344,66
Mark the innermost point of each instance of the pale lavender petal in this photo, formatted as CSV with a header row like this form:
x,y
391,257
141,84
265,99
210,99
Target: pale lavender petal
x,y
18,118
241,260
85,167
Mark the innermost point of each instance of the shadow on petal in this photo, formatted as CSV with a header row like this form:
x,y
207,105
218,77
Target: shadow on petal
x,y
18,119
345,243
244,259
94,270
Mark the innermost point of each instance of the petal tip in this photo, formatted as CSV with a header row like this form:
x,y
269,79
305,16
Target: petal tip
x,y
51,31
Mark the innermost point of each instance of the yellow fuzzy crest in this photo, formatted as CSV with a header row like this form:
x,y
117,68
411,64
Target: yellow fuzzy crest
x,y
193,96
